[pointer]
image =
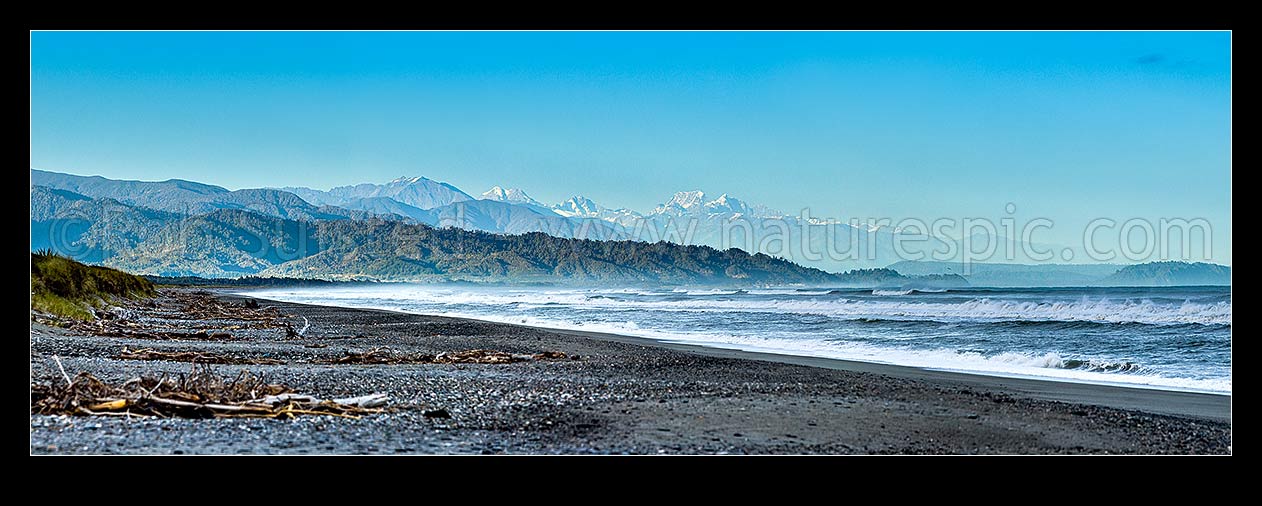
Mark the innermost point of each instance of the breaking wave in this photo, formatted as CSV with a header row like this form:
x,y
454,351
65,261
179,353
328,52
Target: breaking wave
x,y
1174,338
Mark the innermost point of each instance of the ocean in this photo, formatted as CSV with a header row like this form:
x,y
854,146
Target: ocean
x,y
1176,338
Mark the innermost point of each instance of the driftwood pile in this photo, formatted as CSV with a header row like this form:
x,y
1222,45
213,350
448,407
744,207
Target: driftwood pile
x,y
196,357
378,355
386,355
202,305
216,318
199,394
200,335
494,357
115,327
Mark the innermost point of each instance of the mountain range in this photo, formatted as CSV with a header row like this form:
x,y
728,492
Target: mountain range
x,y
1171,274
1013,275
187,197
179,227
1021,275
418,192
233,243
688,217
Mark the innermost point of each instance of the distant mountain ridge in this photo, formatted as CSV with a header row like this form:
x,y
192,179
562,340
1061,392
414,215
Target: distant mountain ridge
x,y
219,239
230,243
1013,275
688,217
88,229
694,203
1023,275
100,219
1171,274
418,192
185,197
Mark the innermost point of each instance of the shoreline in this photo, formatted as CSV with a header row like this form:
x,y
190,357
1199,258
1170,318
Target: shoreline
x,y
1208,405
1199,404
614,395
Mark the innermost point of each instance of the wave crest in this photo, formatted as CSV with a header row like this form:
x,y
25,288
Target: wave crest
x,y
1099,311
1055,361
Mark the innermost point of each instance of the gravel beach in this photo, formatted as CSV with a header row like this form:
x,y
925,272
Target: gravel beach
x,y
621,395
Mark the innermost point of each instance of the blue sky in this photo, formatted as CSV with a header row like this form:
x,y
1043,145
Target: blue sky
x,y
1068,126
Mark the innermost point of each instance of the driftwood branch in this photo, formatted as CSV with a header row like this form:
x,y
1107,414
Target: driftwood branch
x,y
203,393
210,406
63,370
282,398
365,401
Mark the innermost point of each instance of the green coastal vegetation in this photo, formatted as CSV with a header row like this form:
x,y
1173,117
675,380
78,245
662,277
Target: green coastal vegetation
x,y
69,289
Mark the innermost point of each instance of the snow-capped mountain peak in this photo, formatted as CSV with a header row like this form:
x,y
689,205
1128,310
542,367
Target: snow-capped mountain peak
x,y
726,204
682,203
418,192
578,206
511,195
687,200
408,180
694,202
584,208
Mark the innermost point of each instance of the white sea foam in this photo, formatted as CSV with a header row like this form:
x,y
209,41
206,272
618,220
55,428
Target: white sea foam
x,y
987,309
711,291
907,291
1100,310
563,309
786,291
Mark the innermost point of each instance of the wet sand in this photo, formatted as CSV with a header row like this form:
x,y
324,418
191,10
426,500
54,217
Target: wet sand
x,y
1183,403
624,395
